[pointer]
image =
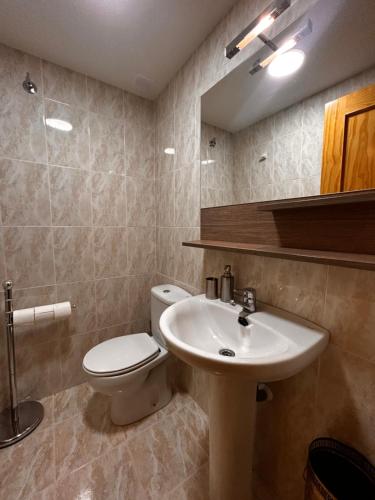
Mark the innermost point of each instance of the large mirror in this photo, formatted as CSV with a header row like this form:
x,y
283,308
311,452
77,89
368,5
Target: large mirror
x,y
262,132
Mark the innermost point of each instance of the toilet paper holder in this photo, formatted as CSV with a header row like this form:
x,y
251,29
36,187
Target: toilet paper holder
x,y
21,418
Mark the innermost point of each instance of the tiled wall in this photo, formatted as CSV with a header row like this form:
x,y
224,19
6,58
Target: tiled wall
x,y
334,396
217,167
292,140
77,214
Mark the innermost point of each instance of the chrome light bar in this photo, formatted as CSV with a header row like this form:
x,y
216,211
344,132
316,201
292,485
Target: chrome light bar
x,y
256,27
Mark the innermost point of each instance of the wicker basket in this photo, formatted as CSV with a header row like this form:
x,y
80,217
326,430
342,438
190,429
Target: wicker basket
x,y
337,472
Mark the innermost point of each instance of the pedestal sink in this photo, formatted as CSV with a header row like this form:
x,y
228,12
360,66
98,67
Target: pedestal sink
x,y
274,346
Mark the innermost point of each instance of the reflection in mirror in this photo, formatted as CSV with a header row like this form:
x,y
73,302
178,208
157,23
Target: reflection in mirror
x,y
262,135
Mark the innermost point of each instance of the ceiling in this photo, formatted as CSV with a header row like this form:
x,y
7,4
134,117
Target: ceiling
x,y
137,45
340,45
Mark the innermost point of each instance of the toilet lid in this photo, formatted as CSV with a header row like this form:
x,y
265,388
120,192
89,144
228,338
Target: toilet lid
x,y
121,354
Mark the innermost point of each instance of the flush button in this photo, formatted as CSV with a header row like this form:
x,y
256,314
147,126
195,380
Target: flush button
x,y
166,291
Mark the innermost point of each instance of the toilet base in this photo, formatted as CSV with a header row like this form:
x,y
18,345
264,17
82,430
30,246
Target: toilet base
x,y
151,396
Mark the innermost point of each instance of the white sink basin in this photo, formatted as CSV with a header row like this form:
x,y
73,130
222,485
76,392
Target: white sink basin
x,y
275,345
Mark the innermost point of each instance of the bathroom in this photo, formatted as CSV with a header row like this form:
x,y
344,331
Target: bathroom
x,y
131,163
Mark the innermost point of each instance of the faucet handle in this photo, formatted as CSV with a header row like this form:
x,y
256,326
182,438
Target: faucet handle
x,y
246,297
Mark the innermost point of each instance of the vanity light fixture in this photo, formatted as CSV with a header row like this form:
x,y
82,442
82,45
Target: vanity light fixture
x,y
28,85
287,63
256,27
169,151
62,125
283,59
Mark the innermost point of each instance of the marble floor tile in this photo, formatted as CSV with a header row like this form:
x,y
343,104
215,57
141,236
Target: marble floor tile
x,y
78,454
78,441
28,466
167,453
194,487
110,477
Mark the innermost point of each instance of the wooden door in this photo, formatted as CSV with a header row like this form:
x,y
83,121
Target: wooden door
x,y
349,143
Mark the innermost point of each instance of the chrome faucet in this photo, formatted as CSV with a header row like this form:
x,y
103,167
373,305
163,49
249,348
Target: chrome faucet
x,y
245,297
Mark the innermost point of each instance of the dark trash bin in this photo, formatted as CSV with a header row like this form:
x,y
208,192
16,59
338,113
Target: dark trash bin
x,y
335,471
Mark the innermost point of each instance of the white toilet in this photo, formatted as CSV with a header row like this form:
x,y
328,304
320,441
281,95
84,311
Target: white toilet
x,y
132,368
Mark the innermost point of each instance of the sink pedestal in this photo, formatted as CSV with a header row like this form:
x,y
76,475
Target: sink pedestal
x,y
232,406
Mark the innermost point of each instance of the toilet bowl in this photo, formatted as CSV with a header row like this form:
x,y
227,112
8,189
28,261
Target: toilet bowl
x,y
132,369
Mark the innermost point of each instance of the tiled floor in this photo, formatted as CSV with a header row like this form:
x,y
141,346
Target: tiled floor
x,y
77,454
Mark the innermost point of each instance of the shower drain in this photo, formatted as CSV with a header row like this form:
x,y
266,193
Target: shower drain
x,y
227,352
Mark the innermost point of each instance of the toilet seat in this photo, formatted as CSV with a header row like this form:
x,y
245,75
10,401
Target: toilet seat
x,y
120,355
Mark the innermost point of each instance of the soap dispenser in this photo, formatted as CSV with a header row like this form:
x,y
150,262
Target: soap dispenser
x,y
226,285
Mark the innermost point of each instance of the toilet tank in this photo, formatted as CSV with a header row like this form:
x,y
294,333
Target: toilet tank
x,y
163,296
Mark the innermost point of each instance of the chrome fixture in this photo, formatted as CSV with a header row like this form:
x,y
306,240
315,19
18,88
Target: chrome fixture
x,y
29,86
211,288
226,285
256,27
20,419
281,48
245,297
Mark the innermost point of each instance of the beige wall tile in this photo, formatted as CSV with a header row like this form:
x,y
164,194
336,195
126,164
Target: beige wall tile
x,y
14,65
110,251
83,317
105,99
166,247
114,331
24,194
64,85
2,258
73,350
139,136
140,201
349,312
165,194
82,204
107,144
139,298
284,431
187,197
38,369
141,250
22,126
165,140
189,261
68,148
112,301
70,196
73,250
186,140
345,400
298,287
29,255
108,200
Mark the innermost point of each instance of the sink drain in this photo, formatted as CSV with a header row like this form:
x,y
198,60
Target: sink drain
x,y
227,352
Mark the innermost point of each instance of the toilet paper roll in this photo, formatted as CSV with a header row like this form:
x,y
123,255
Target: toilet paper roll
x,y
50,312
43,313
23,316
62,310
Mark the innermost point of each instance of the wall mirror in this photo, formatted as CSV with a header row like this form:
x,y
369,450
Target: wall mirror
x,y
266,135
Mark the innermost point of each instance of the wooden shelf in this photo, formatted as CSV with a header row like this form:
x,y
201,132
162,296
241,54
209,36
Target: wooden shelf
x,y
362,261
367,195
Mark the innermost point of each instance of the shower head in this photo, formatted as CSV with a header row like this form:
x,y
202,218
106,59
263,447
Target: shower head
x,y
29,86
